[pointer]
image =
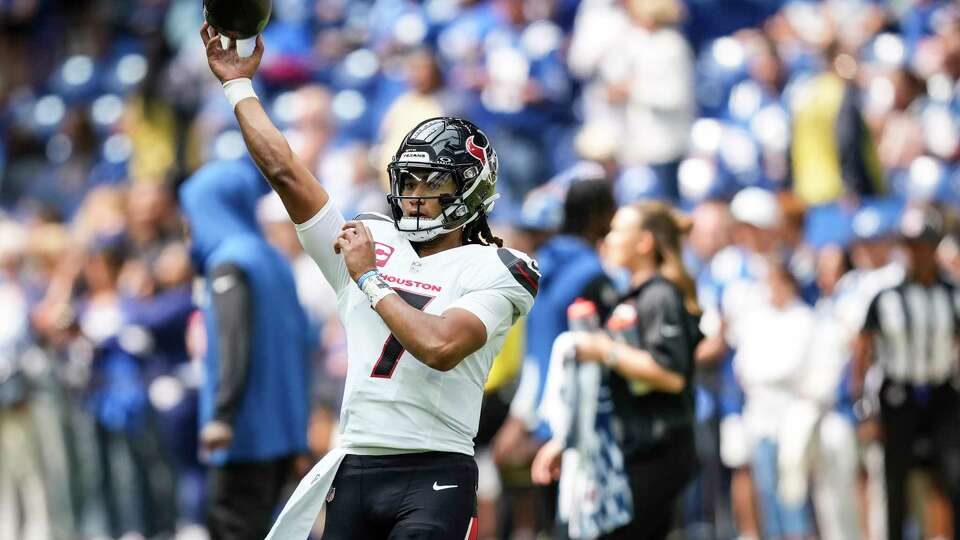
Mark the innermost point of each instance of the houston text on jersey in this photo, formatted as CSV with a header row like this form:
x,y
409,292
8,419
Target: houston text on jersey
x,y
411,283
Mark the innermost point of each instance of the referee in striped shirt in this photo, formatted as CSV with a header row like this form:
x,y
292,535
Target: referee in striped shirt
x,y
908,346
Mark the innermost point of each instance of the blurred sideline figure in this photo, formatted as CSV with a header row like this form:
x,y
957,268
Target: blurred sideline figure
x,y
650,373
253,406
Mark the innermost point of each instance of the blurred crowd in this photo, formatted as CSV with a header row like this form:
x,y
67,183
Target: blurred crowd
x,y
794,134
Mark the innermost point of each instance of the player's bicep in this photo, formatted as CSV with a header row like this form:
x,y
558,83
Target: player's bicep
x,y
317,235
488,312
467,333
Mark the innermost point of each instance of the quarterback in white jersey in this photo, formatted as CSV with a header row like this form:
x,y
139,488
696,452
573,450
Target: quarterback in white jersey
x,y
426,295
392,401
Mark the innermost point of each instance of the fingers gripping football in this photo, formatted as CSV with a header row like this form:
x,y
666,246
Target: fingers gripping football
x,y
226,63
356,245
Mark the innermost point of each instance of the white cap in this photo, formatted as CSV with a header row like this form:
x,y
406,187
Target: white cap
x,y
757,207
868,224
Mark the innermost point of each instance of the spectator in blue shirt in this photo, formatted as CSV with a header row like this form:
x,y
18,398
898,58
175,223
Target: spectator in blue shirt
x,y
571,269
254,402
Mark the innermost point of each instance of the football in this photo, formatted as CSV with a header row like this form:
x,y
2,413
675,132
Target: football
x,y
237,19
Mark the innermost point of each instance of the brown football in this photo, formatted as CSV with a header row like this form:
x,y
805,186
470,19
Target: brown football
x,y
237,19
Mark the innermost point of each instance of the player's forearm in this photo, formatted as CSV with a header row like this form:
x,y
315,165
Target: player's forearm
x,y
267,146
429,338
301,194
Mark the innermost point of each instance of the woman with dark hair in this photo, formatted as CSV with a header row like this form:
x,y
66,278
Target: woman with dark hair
x,y
649,375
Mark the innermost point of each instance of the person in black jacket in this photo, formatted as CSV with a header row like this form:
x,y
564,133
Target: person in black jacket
x,y
650,375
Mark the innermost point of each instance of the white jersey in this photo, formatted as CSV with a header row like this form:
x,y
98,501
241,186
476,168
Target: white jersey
x,y
393,402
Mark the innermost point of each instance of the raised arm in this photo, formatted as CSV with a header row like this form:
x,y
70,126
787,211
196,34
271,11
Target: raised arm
x,y
301,193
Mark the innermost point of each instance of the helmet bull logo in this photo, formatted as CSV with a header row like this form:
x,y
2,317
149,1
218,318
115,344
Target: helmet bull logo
x,y
476,151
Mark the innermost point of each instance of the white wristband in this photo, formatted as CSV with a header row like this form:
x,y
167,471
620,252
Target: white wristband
x,y
237,90
376,290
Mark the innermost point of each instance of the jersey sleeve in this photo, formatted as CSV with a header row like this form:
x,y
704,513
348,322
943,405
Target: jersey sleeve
x,y
490,306
518,279
317,236
501,295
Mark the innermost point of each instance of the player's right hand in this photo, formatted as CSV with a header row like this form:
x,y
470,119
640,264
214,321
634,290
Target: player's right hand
x,y
227,64
356,244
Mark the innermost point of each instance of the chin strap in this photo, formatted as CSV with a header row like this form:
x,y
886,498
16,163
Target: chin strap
x,y
422,236
408,228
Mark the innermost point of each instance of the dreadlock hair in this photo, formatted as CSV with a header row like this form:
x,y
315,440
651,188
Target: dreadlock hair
x,y
478,232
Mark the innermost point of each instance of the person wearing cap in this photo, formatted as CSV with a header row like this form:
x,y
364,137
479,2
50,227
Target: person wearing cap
x,y
818,452
910,334
873,268
741,267
770,375
874,229
735,288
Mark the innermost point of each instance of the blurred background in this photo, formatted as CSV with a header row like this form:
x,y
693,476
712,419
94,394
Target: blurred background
x,y
830,117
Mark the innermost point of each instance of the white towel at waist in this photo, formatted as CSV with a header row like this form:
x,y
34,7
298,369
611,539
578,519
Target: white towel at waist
x,y
298,515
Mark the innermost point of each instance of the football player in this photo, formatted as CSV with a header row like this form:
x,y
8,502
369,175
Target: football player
x,y
426,295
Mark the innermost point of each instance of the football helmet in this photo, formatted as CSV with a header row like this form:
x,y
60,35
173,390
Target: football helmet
x,y
437,149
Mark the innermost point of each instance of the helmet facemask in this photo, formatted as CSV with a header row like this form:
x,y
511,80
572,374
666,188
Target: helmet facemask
x,y
453,210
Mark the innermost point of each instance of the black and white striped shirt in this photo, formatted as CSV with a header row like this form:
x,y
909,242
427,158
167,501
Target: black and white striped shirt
x,y
915,328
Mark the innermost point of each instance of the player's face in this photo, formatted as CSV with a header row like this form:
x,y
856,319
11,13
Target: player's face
x,y
418,183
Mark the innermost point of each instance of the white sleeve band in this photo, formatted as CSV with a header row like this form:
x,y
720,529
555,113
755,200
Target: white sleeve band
x,y
237,90
317,236
376,290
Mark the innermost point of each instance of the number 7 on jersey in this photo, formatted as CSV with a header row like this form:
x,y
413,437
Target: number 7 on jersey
x,y
392,349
